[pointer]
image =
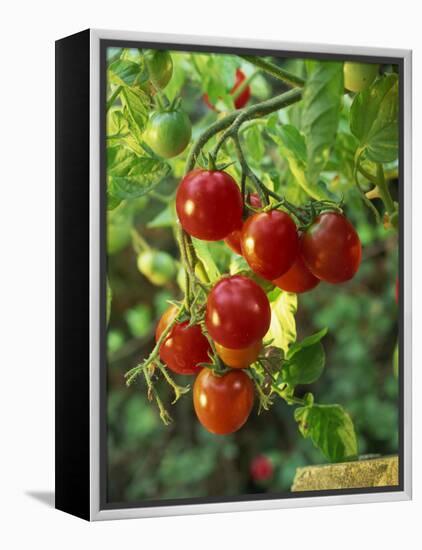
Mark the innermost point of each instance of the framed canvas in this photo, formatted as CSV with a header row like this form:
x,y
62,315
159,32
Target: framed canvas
x,y
233,274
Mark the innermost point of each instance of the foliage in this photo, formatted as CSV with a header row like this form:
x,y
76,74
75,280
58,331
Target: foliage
x,y
303,151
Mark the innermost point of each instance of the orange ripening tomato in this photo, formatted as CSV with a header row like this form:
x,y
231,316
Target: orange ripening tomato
x,y
239,358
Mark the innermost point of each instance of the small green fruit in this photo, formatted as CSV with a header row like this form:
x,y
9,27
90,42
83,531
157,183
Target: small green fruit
x,y
157,266
160,67
168,132
359,76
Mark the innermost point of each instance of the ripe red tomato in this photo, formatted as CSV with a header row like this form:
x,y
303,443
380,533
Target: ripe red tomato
x,y
261,468
223,403
233,240
239,358
209,204
184,347
241,99
298,279
331,248
238,312
270,243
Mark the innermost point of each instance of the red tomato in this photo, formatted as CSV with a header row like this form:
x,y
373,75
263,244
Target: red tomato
x,y
239,358
298,279
209,204
270,243
238,312
165,319
261,468
223,403
245,94
184,347
331,248
233,240
241,99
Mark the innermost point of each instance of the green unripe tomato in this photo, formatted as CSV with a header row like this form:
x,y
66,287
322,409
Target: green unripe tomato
x,y
157,266
359,76
160,67
168,132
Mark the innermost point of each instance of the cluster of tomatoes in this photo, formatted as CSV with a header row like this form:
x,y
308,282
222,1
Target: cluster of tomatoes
x,y
237,316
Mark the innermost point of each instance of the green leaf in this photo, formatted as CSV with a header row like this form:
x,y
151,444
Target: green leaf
x,y
136,108
308,341
129,180
292,146
254,143
124,72
203,253
330,429
283,325
305,366
322,99
166,218
374,119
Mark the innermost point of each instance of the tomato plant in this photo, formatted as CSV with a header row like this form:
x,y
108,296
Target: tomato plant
x,y
331,248
209,204
223,403
296,148
157,266
261,468
168,132
233,239
239,358
185,347
241,92
238,312
269,243
298,278
359,76
160,67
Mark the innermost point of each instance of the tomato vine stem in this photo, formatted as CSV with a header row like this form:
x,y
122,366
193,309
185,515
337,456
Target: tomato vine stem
x,y
274,70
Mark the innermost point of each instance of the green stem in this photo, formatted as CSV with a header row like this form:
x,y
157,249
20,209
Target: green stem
x,y
131,374
383,190
244,85
139,243
275,71
365,199
257,110
113,97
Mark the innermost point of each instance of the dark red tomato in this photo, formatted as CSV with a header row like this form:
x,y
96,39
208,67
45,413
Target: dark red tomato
x,y
261,468
241,99
223,403
239,358
233,240
209,204
184,347
298,279
238,312
245,94
270,243
331,248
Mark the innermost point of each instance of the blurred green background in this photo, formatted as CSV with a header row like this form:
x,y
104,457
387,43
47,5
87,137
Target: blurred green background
x,y
147,460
